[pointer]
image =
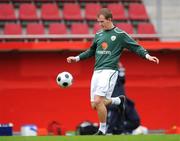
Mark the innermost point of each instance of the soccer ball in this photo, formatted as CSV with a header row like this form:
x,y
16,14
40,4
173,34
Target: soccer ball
x,y
64,79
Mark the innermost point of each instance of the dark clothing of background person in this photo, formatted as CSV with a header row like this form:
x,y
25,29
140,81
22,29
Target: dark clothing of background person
x,y
116,124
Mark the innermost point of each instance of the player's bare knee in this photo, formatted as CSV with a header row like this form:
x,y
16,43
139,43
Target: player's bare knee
x,y
98,100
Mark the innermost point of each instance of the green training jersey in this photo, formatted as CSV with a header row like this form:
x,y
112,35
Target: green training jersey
x,y
107,47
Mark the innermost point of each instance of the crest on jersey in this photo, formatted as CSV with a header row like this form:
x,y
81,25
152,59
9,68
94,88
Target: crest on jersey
x,y
113,38
104,45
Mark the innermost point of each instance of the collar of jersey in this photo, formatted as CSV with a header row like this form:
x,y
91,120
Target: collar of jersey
x,y
110,29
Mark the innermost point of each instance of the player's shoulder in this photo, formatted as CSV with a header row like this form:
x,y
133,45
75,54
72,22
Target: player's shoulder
x,y
118,30
99,32
121,32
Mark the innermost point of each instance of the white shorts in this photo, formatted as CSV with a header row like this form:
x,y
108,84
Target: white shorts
x,y
103,82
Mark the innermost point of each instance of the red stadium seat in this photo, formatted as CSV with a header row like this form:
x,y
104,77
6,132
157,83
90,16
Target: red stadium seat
x,y
34,29
91,11
109,0
145,28
50,12
21,1
117,11
7,12
57,28
124,26
127,27
88,0
42,1
131,1
65,0
27,11
4,0
79,28
12,29
137,12
72,11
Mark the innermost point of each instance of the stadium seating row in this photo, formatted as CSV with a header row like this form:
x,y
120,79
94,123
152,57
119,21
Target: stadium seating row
x,y
70,1
70,12
76,28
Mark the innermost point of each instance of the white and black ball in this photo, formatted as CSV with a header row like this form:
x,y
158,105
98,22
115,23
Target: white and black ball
x,y
64,79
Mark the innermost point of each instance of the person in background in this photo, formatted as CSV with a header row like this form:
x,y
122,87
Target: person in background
x,y
117,122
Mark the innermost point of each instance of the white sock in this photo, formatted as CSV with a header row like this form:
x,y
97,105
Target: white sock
x,y
102,127
116,100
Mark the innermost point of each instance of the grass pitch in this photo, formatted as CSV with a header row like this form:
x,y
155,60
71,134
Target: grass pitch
x,y
95,138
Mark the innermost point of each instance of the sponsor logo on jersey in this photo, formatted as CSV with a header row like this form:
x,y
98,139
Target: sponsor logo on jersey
x,y
113,38
103,52
104,45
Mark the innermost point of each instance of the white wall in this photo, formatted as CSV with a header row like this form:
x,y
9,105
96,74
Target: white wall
x,y
165,15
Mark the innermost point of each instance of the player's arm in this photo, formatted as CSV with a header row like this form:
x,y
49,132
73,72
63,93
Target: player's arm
x,y
84,55
133,46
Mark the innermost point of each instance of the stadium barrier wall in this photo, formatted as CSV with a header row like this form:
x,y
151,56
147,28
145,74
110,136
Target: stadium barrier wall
x,y
77,45
29,93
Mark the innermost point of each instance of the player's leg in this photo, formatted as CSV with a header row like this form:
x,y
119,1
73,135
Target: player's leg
x,y
119,100
97,98
100,85
102,113
115,100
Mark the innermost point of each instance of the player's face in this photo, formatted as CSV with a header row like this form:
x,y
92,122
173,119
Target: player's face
x,y
103,22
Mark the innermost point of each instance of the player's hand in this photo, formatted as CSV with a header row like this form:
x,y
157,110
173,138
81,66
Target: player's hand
x,y
71,59
152,58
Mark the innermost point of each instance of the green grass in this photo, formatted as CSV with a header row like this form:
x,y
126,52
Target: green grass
x,y
95,138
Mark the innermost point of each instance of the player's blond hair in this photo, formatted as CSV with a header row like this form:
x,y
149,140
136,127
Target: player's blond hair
x,y
105,12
